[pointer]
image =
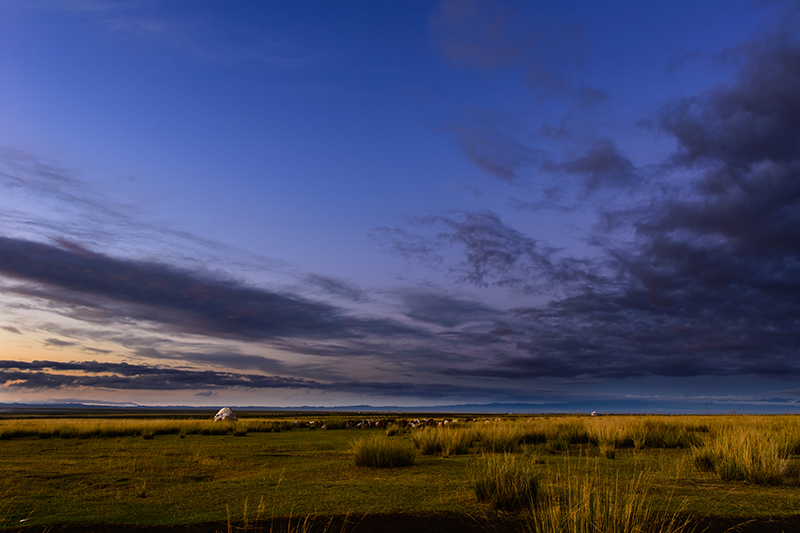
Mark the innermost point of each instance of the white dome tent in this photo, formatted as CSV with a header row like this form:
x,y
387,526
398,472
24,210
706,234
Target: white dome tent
x,y
225,414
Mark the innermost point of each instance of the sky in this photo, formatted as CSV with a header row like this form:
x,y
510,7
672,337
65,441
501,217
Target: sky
x,y
566,205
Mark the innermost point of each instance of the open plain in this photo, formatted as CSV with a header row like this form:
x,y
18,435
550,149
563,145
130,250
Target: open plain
x,y
178,471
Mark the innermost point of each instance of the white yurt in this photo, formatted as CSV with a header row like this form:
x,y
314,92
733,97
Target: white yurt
x,y
224,414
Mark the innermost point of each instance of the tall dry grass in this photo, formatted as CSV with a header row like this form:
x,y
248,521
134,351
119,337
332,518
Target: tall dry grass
x,y
445,441
257,521
506,482
568,500
380,451
501,437
588,503
757,455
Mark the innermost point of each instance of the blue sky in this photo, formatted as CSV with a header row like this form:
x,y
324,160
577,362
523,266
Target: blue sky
x,y
573,205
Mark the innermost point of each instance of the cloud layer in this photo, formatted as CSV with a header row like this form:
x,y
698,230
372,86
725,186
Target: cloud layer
x,y
108,289
550,247
708,285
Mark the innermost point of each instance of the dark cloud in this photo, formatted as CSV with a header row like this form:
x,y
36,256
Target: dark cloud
x,y
711,285
679,62
95,350
495,152
602,166
746,140
709,282
491,36
406,244
58,342
476,34
39,375
99,288
58,375
221,358
494,253
739,224
723,257
11,329
443,310
590,96
753,120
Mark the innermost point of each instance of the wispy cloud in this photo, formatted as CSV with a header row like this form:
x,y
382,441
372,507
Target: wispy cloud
x,y
492,36
336,287
115,289
494,253
495,151
58,343
444,310
48,200
56,375
602,166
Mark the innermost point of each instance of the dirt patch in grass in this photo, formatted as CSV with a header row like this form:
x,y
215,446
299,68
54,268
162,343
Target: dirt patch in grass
x,y
403,523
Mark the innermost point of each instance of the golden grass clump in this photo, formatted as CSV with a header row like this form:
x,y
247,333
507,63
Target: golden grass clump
x,y
457,441
427,441
506,482
750,453
380,451
608,435
444,440
501,437
586,503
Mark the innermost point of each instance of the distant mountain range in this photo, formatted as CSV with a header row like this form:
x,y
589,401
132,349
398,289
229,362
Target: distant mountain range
x,y
764,406
493,408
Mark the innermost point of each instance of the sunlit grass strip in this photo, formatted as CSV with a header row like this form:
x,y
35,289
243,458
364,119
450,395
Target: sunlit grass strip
x,y
109,428
380,451
506,482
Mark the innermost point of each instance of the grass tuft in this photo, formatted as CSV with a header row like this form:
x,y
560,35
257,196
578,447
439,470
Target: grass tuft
x,y
382,452
501,437
505,482
336,423
744,454
588,503
445,441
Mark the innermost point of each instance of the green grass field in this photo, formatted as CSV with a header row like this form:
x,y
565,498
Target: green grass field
x,y
62,471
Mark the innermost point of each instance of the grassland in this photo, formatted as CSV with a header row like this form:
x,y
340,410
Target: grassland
x,y
177,471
